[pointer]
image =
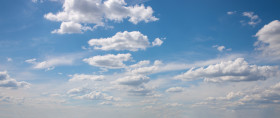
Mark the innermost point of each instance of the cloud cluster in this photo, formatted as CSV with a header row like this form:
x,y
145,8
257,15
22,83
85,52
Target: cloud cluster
x,y
7,82
77,14
269,40
254,19
255,97
221,48
96,95
109,61
233,71
132,41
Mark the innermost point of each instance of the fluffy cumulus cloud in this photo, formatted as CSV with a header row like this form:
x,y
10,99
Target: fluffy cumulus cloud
x,y
233,71
82,12
7,82
157,42
71,27
269,40
77,91
84,77
175,90
132,41
109,61
254,19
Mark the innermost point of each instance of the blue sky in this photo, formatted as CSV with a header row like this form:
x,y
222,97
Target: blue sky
x,y
139,58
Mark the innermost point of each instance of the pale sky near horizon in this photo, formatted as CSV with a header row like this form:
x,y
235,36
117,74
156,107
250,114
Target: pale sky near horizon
x,y
139,59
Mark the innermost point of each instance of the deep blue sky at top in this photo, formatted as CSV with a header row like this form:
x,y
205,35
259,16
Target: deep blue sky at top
x,y
188,26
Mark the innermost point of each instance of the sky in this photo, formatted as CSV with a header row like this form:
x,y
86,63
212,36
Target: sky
x,y
139,59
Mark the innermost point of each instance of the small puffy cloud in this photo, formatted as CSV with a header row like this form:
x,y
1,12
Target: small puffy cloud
x,y
96,12
96,95
71,27
221,48
231,12
109,61
9,59
269,40
7,82
232,71
254,19
157,42
132,41
140,91
133,80
84,77
31,61
175,90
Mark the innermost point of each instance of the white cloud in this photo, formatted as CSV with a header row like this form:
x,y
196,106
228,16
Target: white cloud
x,y
133,80
98,11
7,82
233,71
77,91
254,97
157,42
132,41
9,59
96,95
254,19
71,27
221,48
51,62
175,90
83,77
109,61
269,40
231,12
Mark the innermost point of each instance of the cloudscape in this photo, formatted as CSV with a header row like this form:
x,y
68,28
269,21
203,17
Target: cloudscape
x,y
139,59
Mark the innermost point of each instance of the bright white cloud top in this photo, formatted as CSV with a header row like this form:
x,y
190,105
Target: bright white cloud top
x,y
232,71
77,13
109,61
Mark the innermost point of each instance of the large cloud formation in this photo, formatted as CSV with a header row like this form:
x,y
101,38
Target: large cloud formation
x,y
233,71
269,40
7,82
78,12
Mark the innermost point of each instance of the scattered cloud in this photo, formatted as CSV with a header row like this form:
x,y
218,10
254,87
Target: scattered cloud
x,y
232,71
51,62
175,90
132,41
269,40
9,59
84,77
231,12
96,95
133,80
221,48
157,42
7,82
254,97
254,19
110,61
81,12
